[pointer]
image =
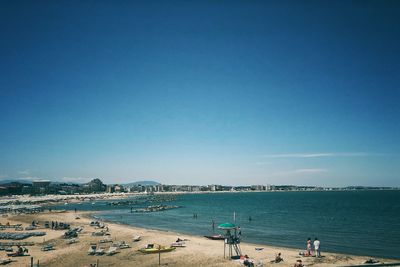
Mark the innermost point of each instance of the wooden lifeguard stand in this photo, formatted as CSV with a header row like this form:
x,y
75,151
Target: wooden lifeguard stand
x,y
232,240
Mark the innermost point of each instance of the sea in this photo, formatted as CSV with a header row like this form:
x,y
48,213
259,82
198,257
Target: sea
x,y
351,222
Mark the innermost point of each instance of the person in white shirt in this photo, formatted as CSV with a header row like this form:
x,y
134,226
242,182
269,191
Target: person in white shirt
x,y
316,247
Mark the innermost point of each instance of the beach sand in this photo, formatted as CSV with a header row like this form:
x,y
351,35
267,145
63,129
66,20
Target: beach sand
x,y
198,252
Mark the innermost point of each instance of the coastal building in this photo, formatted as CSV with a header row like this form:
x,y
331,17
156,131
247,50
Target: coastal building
x,y
41,183
215,187
257,187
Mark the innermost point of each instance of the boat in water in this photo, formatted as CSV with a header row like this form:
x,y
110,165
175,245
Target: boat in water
x,y
156,248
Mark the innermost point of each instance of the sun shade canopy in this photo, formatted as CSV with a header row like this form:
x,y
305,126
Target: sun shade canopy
x,y
226,226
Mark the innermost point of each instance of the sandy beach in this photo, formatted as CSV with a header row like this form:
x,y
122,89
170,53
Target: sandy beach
x,y
199,251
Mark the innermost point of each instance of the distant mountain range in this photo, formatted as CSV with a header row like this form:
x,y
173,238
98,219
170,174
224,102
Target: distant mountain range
x,y
29,181
146,183
19,180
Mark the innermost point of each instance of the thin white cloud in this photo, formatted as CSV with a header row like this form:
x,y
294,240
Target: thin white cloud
x,y
260,163
31,178
310,170
302,171
25,172
75,179
320,155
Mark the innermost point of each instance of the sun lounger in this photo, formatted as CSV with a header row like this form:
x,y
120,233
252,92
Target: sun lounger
x,y
5,261
106,240
136,238
180,244
72,241
121,245
92,250
111,251
16,254
47,247
6,244
101,233
99,251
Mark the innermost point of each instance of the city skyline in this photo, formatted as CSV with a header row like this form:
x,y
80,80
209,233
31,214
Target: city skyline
x,y
201,92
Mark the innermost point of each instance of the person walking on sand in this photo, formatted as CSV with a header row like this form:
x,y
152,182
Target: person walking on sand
x,y
316,247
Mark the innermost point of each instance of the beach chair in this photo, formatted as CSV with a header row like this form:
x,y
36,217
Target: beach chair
x,y
121,245
99,252
111,251
18,254
106,240
5,261
179,244
72,241
47,247
92,250
136,238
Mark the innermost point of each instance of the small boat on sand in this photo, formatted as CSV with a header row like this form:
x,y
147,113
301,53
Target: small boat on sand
x,y
215,237
156,248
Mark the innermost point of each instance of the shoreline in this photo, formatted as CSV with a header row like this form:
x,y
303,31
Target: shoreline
x,y
88,215
199,251
55,198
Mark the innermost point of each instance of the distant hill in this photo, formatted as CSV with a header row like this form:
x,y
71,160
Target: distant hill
x,y
21,181
29,181
142,183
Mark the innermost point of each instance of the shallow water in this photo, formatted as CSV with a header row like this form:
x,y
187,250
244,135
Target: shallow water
x,y
352,222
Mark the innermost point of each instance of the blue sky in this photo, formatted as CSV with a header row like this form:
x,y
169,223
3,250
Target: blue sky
x,y
201,92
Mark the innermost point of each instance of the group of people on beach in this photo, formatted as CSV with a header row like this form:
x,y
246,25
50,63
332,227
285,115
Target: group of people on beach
x,y
278,259
314,249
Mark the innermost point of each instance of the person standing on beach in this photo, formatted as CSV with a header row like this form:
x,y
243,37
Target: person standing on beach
x,y
316,248
308,247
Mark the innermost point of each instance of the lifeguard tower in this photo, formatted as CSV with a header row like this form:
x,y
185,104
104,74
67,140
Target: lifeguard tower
x,y
232,240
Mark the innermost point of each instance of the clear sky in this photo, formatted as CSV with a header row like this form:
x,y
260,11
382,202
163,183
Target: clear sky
x,y
201,92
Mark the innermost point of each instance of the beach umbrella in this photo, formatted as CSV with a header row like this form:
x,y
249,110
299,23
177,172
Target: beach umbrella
x,y
226,226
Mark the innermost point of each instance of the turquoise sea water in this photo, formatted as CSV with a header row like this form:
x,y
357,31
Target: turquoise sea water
x,y
353,222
